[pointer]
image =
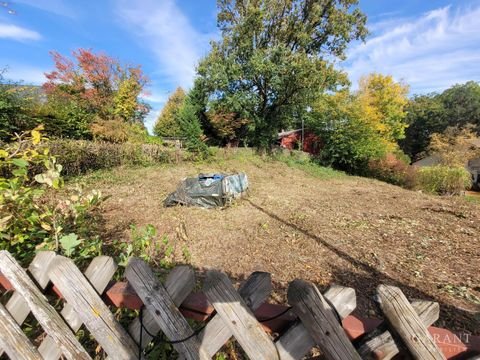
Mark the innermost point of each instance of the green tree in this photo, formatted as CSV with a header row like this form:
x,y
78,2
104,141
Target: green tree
x,y
425,116
348,141
18,104
167,123
462,104
191,129
275,57
458,106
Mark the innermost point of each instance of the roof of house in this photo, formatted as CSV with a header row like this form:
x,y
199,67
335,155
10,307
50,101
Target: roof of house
x,y
428,161
289,132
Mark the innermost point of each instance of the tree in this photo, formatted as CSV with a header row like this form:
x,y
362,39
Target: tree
x,y
191,129
167,124
228,126
348,141
92,88
454,147
425,116
462,104
457,106
18,104
383,102
275,57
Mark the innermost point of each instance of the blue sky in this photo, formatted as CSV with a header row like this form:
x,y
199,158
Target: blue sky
x,y
430,45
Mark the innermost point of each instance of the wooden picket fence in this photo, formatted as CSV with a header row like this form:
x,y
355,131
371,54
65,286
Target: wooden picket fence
x,y
315,319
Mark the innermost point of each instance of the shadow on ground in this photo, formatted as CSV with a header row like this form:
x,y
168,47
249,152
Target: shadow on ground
x,y
366,281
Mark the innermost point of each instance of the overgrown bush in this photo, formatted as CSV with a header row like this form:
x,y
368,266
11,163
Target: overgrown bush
x,y
28,221
81,156
394,170
118,131
444,180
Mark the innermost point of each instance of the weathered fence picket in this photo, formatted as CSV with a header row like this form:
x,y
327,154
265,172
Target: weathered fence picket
x,y
254,292
238,318
318,317
159,303
12,339
45,314
381,342
17,306
99,273
91,310
297,342
407,324
179,284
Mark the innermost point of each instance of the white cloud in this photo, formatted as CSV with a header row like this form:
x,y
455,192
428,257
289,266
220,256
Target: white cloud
x,y
155,97
151,118
14,32
168,33
430,52
23,73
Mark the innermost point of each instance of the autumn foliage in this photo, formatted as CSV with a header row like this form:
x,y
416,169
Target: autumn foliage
x,y
98,87
228,125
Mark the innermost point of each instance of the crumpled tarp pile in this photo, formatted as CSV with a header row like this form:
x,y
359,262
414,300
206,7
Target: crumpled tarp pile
x,y
209,190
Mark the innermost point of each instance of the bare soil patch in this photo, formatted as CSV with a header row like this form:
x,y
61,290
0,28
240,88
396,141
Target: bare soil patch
x,y
347,230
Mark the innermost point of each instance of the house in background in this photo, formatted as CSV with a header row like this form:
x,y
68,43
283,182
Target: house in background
x,y
292,140
473,165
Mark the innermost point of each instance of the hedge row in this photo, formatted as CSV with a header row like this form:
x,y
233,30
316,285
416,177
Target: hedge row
x,y
80,156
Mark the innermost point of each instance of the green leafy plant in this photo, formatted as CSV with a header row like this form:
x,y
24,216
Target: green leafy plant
x,y
69,243
33,215
147,245
444,180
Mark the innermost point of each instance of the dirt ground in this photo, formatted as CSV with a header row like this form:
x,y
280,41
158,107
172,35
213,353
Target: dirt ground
x,y
347,230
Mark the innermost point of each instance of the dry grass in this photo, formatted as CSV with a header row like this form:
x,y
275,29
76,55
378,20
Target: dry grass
x,y
328,229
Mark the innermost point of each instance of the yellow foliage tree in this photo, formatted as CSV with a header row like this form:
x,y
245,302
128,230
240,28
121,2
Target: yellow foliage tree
x,y
382,101
167,123
125,100
455,146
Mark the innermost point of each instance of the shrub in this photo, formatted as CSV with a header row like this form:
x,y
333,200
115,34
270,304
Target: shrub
x,y
444,180
81,156
28,221
118,131
394,170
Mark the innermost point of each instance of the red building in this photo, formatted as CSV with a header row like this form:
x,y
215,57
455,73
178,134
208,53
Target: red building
x,y
292,140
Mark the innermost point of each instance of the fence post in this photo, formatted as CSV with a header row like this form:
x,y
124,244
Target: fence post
x,y
163,309
318,317
237,316
407,324
381,344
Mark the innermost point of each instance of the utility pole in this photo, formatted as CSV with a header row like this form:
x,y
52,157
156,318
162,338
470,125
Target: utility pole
x,y
303,133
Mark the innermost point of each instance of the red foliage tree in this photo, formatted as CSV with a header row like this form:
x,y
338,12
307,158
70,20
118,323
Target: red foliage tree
x,y
93,81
